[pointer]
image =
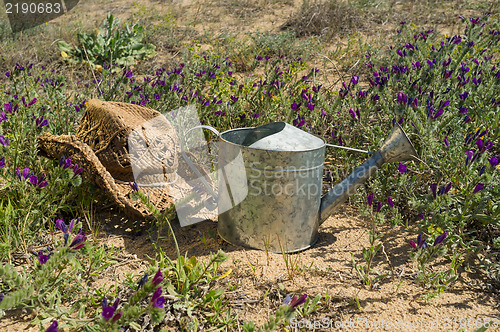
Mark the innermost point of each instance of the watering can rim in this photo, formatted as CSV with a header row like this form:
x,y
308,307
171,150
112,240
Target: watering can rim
x,y
323,141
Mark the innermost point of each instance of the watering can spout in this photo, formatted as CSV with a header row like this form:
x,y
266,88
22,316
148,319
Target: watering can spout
x,y
396,148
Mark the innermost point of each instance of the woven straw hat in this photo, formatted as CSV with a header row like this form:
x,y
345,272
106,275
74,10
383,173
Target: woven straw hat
x,y
100,146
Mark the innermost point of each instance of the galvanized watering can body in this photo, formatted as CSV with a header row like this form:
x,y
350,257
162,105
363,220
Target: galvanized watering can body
x,y
270,184
283,180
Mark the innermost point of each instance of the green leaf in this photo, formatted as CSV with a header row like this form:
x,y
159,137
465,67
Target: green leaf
x,y
135,326
76,181
64,47
221,257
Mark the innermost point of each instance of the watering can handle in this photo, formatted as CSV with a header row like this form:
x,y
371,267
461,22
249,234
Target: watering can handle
x,y
191,165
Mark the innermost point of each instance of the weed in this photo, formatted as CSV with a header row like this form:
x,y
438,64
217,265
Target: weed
x,y
369,254
109,46
424,254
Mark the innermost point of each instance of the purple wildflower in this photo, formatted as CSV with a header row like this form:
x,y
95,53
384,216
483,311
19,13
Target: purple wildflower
x,y
4,140
355,80
42,259
402,168
351,112
448,187
446,62
67,163
134,186
52,327
158,278
77,170
463,109
72,224
409,46
478,188
379,206
2,162
142,281
157,300
421,243
446,142
79,240
25,173
33,179
41,122
61,225
108,312
440,238
493,161
469,153
434,189
438,113
369,199
390,202
447,73
117,316
456,39
295,301
402,98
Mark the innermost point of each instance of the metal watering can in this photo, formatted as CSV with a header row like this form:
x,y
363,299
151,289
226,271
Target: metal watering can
x,y
270,184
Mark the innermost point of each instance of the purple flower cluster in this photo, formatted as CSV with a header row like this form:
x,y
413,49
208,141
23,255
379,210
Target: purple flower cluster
x,y
482,146
402,168
109,311
442,191
369,199
53,327
4,140
42,258
41,121
80,238
422,243
134,186
157,300
390,202
295,301
67,163
25,174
